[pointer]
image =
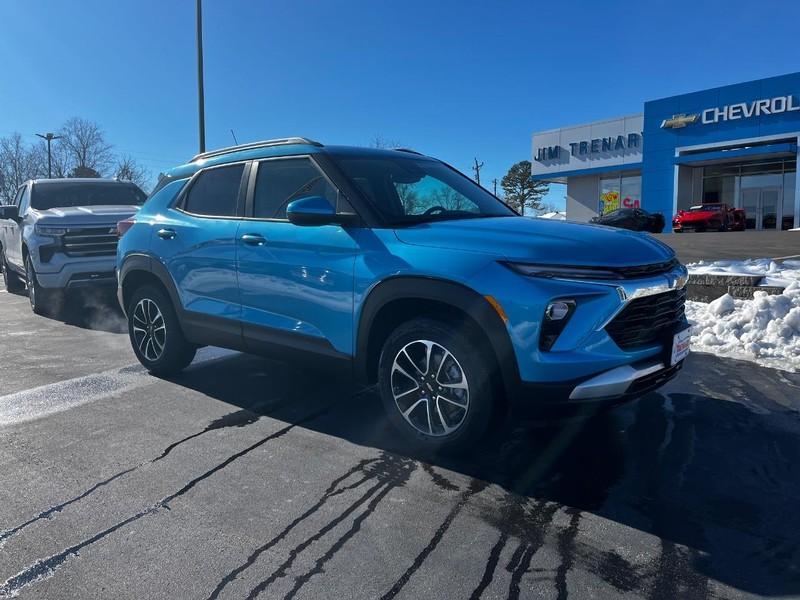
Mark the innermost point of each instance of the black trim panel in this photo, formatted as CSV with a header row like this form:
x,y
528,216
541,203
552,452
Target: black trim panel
x,y
446,292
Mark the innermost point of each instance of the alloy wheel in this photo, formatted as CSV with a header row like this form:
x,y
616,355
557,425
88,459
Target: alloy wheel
x,y
149,329
430,388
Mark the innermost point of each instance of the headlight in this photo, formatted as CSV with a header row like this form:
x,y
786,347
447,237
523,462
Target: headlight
x,y
562,272
50,230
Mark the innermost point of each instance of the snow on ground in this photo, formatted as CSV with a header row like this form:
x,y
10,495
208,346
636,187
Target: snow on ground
x,y
774,273
765,330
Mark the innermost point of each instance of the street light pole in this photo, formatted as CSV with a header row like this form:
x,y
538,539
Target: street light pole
x,y
200,93
49,137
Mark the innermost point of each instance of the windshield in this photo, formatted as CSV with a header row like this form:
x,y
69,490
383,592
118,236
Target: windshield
x,y
95,193
706,208
407,190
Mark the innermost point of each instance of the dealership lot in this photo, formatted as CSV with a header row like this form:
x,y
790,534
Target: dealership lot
x,y
245,477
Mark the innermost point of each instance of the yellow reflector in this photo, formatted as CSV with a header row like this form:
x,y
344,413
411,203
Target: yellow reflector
x,y
498,309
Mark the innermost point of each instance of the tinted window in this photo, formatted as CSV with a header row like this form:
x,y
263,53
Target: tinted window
x,y
411,190
85,193
215,192
279,182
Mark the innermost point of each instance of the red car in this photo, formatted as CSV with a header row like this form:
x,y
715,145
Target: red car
x,y
714,216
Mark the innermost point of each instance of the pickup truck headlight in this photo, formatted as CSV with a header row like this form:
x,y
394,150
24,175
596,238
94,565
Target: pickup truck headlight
x,y
50,230
561,272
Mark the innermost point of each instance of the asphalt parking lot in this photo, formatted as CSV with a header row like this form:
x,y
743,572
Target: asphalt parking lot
x,y
732,245
245,477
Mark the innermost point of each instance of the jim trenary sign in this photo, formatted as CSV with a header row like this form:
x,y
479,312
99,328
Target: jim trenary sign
x,y
604,145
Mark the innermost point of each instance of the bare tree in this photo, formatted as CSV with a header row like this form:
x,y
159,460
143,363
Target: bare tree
x,y
378,141
18,163
85,146
127,169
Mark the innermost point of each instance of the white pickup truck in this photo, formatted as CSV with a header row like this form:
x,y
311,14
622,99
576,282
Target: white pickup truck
x,y
61,234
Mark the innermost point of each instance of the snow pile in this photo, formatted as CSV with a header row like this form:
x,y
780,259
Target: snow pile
x,y
765,329
780,274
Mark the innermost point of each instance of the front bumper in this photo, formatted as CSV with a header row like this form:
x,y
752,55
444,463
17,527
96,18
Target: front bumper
x,y
621,384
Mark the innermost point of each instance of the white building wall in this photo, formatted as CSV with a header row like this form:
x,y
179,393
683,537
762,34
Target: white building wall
x,y
583,197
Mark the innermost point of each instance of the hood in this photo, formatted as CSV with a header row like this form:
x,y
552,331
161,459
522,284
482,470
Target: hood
x,y
540,240
85,215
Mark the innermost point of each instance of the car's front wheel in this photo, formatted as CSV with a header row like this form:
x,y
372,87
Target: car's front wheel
x,y
435,383
155,332
43,301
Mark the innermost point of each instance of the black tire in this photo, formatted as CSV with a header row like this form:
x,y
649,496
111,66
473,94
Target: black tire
x,y
175,353
14,284
476,369
45,302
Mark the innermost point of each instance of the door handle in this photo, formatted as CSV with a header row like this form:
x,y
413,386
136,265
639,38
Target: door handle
x,y
253,239
166,234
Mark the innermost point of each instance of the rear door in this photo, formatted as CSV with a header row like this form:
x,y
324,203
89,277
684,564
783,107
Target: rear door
x,y
296,283
198,246
14,231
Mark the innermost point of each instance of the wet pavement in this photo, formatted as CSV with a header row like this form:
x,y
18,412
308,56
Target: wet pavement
x,y
249,478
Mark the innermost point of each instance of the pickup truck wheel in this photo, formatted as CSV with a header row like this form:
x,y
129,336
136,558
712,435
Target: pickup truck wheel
x,y
11,280
155,333
436,385
43,301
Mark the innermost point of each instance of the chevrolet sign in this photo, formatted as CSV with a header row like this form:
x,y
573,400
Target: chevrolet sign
x,y
678,121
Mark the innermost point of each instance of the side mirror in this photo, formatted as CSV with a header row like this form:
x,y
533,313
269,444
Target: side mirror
x,y
9,211
311,210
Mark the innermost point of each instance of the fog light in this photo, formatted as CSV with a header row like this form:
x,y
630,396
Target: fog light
x,y
557,311
556,316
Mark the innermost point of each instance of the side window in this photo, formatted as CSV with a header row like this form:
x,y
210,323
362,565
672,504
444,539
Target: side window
x,y
24,200
281,181
18,197
215,192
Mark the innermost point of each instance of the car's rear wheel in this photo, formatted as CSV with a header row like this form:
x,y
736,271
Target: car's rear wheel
x,y
155,332
43,301
14,284
436,385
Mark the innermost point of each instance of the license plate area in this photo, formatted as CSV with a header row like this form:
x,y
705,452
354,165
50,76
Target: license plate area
x,y
680,346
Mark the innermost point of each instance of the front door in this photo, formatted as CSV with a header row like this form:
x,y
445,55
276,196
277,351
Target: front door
x,y
761,207
295,282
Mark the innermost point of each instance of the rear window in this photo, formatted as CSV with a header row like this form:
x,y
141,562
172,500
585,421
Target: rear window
x,y
215,192
94,193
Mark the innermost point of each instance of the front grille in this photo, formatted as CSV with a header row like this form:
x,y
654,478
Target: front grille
x,y
647,270
90,241
648,320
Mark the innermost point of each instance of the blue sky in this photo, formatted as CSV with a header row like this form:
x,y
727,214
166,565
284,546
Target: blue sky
x,y
455,79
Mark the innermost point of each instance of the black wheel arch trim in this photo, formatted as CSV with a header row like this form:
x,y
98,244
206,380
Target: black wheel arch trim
x,y
144,262
461,297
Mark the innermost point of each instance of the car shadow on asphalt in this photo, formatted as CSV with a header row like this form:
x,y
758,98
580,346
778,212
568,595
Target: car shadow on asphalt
x,y
715,476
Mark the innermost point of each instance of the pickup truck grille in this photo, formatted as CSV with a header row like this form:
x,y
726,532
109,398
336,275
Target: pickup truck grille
x,y
90,241
647,320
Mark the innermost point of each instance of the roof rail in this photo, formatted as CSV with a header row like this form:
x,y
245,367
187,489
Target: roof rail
x,y
252,145
409,150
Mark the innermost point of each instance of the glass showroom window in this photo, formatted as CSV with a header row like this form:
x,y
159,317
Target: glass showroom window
x,y
619,191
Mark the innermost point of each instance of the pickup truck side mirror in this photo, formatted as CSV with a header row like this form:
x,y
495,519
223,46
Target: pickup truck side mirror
x,y
9,211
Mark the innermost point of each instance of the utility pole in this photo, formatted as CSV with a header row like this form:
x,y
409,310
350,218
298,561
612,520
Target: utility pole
x,y
49,137
477,168
201,109
494,183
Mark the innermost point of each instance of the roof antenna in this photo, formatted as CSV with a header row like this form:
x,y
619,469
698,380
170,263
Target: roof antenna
x,y
235,141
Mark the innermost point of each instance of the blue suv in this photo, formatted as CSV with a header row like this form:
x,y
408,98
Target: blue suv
x,y
398,267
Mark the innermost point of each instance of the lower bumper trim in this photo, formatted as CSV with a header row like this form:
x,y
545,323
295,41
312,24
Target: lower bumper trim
x,y
616,381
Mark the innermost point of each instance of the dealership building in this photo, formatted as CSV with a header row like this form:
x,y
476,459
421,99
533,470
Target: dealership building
x,y
736,144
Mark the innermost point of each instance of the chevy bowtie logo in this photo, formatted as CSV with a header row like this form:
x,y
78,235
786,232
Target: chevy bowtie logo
x,y
678,121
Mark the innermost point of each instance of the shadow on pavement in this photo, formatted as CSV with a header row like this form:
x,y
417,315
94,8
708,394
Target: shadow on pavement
x,y
714,475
